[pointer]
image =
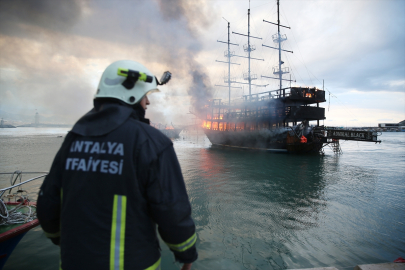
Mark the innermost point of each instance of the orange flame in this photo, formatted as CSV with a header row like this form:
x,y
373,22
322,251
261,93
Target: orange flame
x,y
207,125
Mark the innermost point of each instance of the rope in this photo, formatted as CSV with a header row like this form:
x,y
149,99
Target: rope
x,y
13,216
3,210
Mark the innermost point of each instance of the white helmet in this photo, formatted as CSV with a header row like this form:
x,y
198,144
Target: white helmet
x,y
128,81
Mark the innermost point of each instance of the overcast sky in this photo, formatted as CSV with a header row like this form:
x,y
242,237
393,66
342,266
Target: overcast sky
x,y
52,53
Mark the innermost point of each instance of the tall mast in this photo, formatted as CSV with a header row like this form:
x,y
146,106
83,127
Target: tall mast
x,y
278,38
228,54
249,48
280,74
229,66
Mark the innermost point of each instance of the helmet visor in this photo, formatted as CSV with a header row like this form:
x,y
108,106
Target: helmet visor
x,y
152,91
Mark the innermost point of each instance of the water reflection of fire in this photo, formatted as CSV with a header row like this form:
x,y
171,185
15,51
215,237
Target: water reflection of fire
x,y
211,167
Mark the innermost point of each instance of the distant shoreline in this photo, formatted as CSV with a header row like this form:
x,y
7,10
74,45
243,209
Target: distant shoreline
x,y
46,125
7,126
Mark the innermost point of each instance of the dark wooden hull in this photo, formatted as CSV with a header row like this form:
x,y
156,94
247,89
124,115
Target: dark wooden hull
x,y
269,140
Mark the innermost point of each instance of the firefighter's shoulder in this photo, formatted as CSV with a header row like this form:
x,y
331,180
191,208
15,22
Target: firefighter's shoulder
x,y
160,140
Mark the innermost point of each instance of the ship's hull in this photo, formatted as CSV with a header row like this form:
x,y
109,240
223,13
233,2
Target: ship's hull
x,y
278,140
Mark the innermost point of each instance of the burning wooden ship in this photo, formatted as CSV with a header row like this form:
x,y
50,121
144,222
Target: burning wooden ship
x,y
269,120
277,120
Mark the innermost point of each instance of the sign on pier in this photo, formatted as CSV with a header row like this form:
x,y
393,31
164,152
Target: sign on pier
x,y
352,135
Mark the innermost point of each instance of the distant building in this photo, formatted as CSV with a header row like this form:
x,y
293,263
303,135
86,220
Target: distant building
x,y
400,125
388,125
2,125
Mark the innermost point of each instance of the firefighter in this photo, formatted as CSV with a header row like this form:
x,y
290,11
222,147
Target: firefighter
x,y
116,181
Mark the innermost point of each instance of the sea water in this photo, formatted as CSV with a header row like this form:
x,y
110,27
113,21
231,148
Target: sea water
x,y
257,210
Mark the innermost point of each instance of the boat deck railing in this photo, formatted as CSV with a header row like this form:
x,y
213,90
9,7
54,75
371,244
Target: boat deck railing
x,y
305,94
18,175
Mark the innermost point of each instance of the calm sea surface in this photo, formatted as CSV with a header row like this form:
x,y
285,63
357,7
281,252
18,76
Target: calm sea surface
x,y
256,210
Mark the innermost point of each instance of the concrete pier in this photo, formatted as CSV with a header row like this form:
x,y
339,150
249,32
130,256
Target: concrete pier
x,y
381,266
318,268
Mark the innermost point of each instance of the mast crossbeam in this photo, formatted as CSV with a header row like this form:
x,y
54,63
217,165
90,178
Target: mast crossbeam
x,y
263,85
227,43
246,35
228,86
277,24
276,48
227,62
278,78
249,57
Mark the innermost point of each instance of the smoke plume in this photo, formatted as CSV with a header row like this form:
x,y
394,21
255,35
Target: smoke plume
x,y
54,53
200,92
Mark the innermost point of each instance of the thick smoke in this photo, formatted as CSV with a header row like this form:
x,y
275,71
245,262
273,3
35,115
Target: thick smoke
x,y
200,92
15,15
194,12
53,54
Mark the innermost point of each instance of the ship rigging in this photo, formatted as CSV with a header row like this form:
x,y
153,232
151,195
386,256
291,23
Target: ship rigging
x,y
276,120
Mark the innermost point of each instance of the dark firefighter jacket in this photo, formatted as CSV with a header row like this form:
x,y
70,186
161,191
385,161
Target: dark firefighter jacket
x,y
113,181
